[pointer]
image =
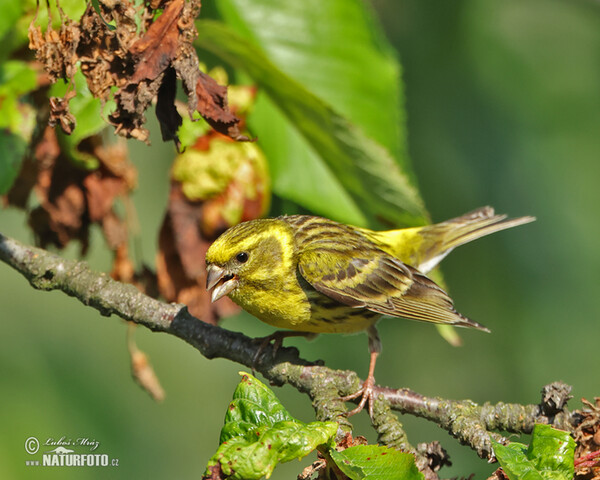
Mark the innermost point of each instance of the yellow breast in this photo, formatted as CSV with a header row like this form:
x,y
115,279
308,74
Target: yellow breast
x,y
301,308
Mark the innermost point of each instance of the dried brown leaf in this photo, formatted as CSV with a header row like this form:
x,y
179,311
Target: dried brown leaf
x,y
61,215
141,370
166,112
154,52
141,64
60,113
587,436
70,198
180,266
43,156
123,269
56,50
212,105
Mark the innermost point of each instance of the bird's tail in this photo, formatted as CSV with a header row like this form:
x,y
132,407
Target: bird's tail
x,y
470,226
424,247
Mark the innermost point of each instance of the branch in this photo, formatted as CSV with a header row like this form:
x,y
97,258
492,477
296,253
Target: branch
x,y
468,422
472,424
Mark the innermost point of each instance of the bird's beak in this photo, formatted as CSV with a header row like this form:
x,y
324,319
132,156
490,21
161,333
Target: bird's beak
x,y
220,282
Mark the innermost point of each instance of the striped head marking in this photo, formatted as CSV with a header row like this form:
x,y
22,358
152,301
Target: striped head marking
x,y
251,252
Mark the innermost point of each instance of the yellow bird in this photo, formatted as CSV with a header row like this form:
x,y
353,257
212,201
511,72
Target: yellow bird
x,y
312,275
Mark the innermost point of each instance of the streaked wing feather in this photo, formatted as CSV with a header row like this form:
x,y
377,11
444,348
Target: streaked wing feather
x,y
378,282
358,281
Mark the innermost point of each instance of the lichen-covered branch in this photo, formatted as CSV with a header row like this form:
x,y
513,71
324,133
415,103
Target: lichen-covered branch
x,y
470,423
473,424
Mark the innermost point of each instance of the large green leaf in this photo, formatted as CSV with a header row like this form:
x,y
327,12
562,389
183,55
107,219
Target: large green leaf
x,y
374,462
345,60
259,433
366,169
550,456
297,171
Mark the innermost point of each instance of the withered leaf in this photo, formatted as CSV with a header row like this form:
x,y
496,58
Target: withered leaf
x,y
212,105
141,65
101,189
166,112
123,269
141,370
70,198
60,217
154,52
42,157
180,266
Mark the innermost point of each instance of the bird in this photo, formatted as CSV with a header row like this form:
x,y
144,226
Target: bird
x,y
311,275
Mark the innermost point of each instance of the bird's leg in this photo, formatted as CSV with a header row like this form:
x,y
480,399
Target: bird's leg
x,y
366,391
277,339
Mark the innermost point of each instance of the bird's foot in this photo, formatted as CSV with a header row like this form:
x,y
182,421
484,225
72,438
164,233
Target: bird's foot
x,y
367,392
277,339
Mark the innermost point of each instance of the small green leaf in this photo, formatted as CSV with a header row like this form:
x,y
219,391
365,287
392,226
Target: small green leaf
x,y
96,7
553,452
17,78
191,129
11,11
259,433
374,462
253,405
17,118
514,461
13,148
550,456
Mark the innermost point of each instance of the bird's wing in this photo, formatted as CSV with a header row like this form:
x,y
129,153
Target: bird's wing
x,y
380,283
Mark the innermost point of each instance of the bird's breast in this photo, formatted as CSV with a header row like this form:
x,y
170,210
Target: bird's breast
x,y
298,306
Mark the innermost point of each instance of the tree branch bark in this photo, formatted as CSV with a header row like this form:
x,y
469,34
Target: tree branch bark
x,y
470,423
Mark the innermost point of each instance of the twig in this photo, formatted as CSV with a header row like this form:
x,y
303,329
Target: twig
x,y
472,424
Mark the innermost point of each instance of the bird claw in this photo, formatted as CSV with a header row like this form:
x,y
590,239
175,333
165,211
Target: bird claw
x,y
276,338
367,392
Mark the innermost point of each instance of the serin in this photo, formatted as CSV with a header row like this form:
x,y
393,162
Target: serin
x,y
312,275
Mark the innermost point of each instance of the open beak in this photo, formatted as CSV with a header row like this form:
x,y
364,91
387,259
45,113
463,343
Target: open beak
x,y
220,282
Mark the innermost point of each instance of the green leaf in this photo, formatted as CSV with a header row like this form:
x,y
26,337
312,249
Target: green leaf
x,y
550,456
17,78
374,462
553,452
96,7
13,148
359,76
11,11
297,171
191,129
17,118
296,38
514,461
368,172
253,404
259,433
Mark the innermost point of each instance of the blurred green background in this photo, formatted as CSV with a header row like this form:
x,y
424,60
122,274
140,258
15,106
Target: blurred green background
x,y
503,109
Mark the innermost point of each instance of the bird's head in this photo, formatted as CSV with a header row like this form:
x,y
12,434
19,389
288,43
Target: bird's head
x,y
251,255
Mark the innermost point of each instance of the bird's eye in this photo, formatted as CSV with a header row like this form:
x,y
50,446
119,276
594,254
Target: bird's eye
x,y
242,257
